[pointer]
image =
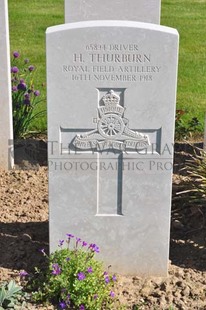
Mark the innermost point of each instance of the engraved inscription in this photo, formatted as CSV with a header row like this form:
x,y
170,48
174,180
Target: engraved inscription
x,y
112,62
121,58
112,47
112,130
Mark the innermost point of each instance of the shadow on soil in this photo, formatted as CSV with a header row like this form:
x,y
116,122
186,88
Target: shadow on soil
x,y
188,231
188,249
20,244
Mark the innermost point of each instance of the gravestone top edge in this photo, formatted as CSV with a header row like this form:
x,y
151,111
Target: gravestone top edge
x,y
111,23
133,10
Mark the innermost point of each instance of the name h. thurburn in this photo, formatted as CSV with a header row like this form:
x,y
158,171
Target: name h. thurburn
x,y
113,58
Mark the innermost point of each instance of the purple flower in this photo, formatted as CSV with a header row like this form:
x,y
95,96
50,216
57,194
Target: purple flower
x,y
21,86
61,242
27,102
81,276
36,93
106,279
84,243
114,278
68,259
94,247
26,61
89,270
16,54
43,251
21,80
105,273
23,273
26,96
78,240
95,296
112,294
14,89
56,269
62,305
82,307
31,68
70,236
14,69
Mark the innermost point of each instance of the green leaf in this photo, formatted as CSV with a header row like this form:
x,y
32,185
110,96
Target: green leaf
x,y
10,303
13,289
2,295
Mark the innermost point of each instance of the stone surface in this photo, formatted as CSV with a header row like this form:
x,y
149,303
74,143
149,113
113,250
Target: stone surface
x,y
6,129
147,11
111,110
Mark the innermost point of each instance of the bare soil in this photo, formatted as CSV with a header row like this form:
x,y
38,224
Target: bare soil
x,y
24,230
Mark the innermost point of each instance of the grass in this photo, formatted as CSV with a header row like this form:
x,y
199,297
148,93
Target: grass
x,y
188,17
29,20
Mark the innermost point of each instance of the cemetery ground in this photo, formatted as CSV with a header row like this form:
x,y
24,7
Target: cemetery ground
x,y
24,231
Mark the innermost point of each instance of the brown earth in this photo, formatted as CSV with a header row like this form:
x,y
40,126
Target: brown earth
x,y
24,230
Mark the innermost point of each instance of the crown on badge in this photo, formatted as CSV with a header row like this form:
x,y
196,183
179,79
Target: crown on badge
x,y
111,101
111,98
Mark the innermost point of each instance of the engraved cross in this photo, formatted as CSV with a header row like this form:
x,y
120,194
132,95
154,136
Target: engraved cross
x,y
109,140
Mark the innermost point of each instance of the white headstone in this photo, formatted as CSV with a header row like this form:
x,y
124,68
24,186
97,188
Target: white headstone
x,y
6,128
111,111
147,11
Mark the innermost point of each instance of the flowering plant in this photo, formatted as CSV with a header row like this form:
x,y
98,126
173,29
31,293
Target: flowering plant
x,y
25,97
75,279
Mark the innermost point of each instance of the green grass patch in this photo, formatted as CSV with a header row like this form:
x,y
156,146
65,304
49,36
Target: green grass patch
x,y
188,17
29,20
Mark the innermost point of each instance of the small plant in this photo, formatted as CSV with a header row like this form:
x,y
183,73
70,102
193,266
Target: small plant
x,y
9,295
74,279
25,97
193,193
184,129
196,169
